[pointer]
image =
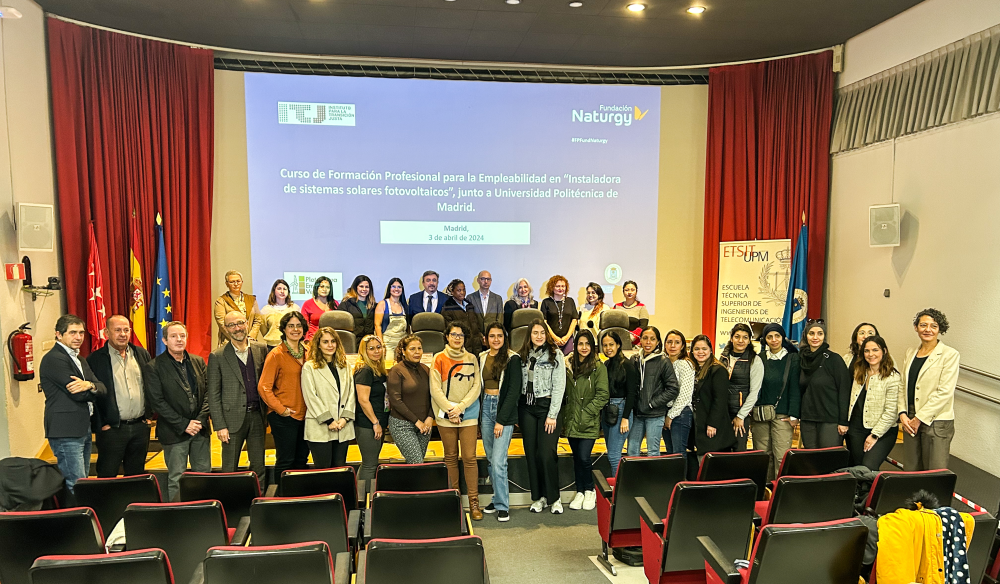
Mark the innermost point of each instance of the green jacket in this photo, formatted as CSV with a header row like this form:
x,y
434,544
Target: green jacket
x,y
585,398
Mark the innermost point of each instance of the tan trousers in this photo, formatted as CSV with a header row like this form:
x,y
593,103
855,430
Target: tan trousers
x,y
930,448
450,439
774,438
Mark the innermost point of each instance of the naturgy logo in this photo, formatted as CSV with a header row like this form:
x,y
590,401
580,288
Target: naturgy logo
x,y
619,115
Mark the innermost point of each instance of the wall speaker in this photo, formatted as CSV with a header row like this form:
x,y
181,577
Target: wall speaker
x,y
35,227
883,225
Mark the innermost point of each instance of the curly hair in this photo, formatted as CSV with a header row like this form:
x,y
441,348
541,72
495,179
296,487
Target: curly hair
x,y
316,352
550,285
936,315
403,343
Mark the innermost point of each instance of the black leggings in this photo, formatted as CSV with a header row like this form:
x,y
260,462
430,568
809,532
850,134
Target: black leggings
x,y
329,454
874,458
583,466
540,450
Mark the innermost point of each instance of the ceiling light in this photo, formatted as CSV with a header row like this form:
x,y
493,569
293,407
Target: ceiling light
x,y
636,7
512,1
575,4
696,10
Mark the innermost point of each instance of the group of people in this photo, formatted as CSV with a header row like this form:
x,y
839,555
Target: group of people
x,y
564,379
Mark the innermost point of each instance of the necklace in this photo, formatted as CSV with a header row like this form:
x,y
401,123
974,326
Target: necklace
x,y
294,354
560,304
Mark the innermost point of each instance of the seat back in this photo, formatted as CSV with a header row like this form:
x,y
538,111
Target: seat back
x,y
427,515
421,561
518,336
431,341
427,321
524,316
302,563
812,499
623,333
27,536
340,320
722,510
891,489
235,490
322,481
110,496
184,530
724,466
141,567
428,476
614,319
981,545
651,477
817,553
285,520
816,461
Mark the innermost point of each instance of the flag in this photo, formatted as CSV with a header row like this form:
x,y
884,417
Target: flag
x,y
160,310
797,299
137,297
96,317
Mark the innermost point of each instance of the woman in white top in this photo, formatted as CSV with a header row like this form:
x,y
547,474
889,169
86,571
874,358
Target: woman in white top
x,y
328,390
680,416
872,412
390,316
279,303
590,314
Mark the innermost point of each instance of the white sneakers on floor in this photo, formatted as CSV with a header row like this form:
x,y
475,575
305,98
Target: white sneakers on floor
x,y
589,500
540,504
557,508
577,503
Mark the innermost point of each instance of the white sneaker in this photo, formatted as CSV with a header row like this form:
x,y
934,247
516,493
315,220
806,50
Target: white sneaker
x,y
577,502
557,508
589,500
538,505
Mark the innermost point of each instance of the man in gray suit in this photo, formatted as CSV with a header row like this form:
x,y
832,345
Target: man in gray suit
x,y
488,304
236,408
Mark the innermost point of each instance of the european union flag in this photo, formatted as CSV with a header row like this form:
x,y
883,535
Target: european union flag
x,y
160,310
797,300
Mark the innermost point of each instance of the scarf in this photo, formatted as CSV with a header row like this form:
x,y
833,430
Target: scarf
x,y
956,565
810,360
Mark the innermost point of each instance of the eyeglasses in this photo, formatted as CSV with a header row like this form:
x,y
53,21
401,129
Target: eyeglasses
x,y
236,324
815,321
456,335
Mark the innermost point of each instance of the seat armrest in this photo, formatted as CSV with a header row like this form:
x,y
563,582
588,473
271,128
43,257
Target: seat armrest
x,y
601,484
353,529
116,547
466,523
199,574
359,576
362,493
242,535
715,561
649,517
367,535
272,490
342,568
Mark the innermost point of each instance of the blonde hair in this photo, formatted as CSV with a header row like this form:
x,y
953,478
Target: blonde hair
x,y
316,353
365,361
232,273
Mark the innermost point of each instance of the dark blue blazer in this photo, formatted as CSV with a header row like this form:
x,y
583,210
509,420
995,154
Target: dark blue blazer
x,y
416,303
67,415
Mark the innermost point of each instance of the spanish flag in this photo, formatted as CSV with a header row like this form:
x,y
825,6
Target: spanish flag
x,y
137,297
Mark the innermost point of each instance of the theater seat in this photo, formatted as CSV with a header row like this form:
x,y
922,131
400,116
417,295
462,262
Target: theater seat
x,y
429,328
322,481
816,553
427,515
810,499
342,322
27,536
235,490
983,537
817,461
456,559
285,520
109,497
617,321
722,510
520,320
139,567
892,489
428,476
301,563
724,466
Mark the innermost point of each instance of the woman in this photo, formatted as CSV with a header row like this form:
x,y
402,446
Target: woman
x,y
369,384
280,387
321,301
360,303
927,408
853,354
590,314
520,298
390,316
328,388
713,429
455,388
586,396
623,391
501,375
409,391
559,312
658,390
746,372
278,305
826,389
680,416
872,428
458,309
777,410
543,384
638,316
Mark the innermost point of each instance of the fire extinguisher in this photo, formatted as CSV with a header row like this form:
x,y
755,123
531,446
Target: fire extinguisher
x,y
19,345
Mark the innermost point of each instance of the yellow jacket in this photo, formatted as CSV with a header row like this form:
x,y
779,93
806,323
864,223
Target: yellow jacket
x,y
910,547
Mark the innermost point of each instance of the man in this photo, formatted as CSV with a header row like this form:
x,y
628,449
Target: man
x,y
121,413
430,300
175,388
70,388
237,410
235,299
489,305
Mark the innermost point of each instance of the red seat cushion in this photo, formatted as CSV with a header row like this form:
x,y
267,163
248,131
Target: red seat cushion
x,y
761,508
230,532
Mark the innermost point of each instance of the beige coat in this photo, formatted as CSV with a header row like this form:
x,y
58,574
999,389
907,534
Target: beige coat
x,y
879,412
324,402
935,392
225,304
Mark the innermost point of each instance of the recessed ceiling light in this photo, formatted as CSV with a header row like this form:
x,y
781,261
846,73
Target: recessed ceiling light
x,y
696,10
575,4
636,7
512,1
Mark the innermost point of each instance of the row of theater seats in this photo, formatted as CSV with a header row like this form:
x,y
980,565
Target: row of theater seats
x,y
690,530
402,526
610,320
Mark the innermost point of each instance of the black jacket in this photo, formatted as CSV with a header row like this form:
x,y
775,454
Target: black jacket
x,y
510,390
624,386
167,397
658,387
363,324
106,405
27,482
67,415
826,394
508,314
710,403
470,318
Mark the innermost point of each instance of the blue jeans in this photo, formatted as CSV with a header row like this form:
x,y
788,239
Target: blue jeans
x,y
496,452
652,430
613,437
680,431
73,457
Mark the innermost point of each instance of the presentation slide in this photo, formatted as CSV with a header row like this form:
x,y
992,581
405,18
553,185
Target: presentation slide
x,y
391,177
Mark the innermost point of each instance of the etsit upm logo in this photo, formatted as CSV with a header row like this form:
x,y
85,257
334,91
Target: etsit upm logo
x,y
316,114
619,115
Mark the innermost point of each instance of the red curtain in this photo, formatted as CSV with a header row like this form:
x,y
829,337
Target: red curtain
x,y
133,127
768,161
